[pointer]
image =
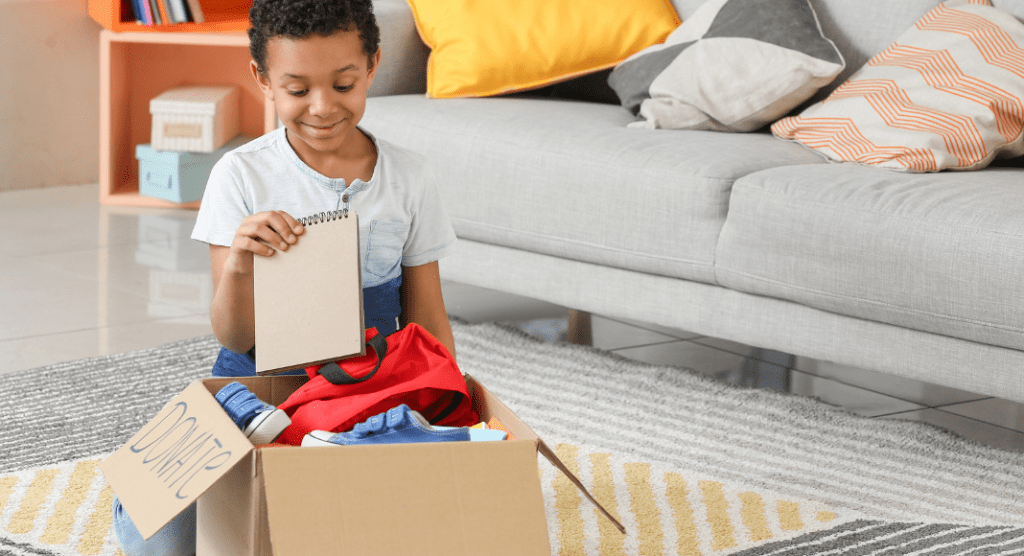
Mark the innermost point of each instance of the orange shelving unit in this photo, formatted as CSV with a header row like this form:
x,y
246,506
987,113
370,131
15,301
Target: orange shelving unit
x,y
137,66
221,16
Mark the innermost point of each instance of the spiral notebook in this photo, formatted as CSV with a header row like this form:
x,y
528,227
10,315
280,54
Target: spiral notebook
x,y
308,300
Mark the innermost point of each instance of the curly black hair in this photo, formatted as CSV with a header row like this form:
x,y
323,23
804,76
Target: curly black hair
x,y
301,18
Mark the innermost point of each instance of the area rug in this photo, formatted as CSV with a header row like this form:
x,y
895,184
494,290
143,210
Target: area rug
x,y
689,465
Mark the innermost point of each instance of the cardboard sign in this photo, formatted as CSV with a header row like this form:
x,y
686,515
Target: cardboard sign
x,y
174,459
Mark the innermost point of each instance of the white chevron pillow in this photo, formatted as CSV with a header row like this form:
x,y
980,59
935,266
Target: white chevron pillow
x,y
735,65
946,95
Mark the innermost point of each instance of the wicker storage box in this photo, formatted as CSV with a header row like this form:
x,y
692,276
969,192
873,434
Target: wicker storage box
x,y
197,119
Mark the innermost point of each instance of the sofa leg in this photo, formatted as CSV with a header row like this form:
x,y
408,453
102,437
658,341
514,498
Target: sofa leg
x,y
579,328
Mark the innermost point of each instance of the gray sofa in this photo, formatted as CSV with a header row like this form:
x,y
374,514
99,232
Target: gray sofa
x,y
738,236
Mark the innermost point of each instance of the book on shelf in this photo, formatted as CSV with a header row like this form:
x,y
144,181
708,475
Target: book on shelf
x,y
165,14
136,13
196,11
178,13
157,19
127,11
146,13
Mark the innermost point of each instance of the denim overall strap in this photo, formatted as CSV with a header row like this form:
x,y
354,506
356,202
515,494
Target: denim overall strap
x,y
382,306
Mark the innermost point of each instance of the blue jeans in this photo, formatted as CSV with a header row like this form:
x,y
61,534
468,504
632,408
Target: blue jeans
x,y
381,310
177,538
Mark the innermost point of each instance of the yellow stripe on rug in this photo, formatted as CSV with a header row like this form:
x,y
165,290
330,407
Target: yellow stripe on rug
x,y
65,509
667,511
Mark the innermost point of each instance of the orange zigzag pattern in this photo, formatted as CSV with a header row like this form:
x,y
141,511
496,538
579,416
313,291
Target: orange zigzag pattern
x,y
959,133
892,104
843,138
939,70
996,46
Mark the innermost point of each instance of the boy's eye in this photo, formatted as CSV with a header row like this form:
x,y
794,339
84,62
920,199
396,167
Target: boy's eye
x,y
345,88
297,93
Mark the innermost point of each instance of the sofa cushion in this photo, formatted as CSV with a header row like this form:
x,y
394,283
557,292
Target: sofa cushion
x,y
736,65
863,28
942,253
859,28
948,94
569,179
489,48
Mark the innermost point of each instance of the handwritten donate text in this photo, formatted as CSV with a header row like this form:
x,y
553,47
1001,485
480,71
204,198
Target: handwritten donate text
x,y
178,447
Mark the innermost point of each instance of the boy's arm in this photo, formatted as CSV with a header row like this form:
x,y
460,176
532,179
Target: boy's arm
x,y
423,302
231,314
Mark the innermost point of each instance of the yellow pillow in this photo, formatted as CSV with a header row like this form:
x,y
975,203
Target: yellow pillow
x,y
489,47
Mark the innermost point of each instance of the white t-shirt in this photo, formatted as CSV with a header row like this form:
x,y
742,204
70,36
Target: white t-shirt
x,y
402,220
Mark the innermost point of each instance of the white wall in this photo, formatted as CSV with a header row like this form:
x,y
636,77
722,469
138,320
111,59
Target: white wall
x,y
49,94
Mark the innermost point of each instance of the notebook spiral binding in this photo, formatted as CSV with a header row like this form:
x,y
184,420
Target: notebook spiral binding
x,y
324,217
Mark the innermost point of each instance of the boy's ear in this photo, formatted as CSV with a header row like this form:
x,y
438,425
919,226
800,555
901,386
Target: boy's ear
x,y
262,80
373,70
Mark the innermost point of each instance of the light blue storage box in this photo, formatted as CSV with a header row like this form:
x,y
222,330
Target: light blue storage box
x,y
179,177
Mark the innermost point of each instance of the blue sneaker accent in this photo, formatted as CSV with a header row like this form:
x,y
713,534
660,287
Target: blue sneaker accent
x,y
261,422
398,425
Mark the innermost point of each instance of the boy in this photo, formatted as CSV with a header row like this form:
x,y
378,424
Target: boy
x,y
315,60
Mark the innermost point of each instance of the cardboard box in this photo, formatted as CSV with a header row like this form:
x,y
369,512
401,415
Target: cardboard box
x,y
450,498
196,118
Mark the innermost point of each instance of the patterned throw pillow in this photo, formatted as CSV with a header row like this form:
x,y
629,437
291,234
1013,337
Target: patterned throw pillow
x,y
735,65
946,95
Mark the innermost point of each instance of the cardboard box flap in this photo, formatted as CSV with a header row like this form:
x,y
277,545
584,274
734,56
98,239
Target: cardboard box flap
x,y
425,499
488,405
175,458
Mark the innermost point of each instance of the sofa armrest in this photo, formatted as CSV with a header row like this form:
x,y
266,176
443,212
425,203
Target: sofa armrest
x,y
403,66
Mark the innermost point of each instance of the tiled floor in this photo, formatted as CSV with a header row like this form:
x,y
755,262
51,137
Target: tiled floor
x,y
80,280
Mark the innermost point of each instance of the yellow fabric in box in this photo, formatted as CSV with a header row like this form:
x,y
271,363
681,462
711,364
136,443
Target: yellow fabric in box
x,y
489,47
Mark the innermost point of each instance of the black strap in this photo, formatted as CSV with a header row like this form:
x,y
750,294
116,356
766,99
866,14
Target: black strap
x,y
336,375
452,406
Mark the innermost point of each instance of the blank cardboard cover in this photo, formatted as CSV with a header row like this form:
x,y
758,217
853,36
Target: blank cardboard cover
x,y
437,499
308,300
175,458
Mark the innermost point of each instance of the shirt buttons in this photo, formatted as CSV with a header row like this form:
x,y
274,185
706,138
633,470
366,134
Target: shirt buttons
x,y
344,198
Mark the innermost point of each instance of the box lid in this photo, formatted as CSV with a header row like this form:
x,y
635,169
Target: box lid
x,y
199,100
175,458
443,499
488,405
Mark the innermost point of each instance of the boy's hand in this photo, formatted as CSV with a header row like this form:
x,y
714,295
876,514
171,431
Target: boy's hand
x,y
262,234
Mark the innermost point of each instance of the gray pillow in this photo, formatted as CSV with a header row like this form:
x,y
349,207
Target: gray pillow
x,y
735,65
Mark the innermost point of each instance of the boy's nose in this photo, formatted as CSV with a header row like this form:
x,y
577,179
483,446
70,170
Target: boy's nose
x,y
320,104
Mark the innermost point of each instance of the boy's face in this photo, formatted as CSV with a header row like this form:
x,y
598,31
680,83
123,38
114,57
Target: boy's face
x,y
318,86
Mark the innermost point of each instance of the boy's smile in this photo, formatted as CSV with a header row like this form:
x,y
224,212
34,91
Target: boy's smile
x,y
318,86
